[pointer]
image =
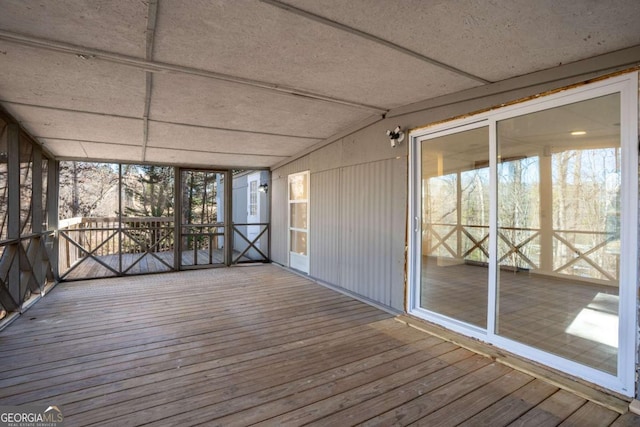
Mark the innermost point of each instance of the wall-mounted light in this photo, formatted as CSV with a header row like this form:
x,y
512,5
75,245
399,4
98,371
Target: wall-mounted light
x,y
578,133
395,136
263,188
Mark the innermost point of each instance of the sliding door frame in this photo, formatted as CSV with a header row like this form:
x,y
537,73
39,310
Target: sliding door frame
x,y
627,85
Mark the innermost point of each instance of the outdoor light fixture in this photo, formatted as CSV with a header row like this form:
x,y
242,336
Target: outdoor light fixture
x,y
395,136
578,133
263,188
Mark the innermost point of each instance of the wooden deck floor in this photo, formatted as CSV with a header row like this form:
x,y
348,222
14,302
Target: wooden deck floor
x,y
257,345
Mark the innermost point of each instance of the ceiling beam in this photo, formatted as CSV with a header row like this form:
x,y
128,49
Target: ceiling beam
x,y
120,116
371,37
163,67
152,13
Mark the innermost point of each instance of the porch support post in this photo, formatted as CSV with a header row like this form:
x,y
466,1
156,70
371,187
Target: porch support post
x,y
459,251
177,217
36,191
546,211
228,217
53,189
35,253
13,208
120,233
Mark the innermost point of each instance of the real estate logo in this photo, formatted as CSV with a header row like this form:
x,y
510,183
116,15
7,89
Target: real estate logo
x,y
31,416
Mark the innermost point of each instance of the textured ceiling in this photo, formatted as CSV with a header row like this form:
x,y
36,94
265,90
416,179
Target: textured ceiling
x,y
248,83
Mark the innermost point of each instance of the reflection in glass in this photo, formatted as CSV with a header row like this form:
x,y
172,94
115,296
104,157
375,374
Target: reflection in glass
x,y
455,225
299,242
298,215
298,187
559,230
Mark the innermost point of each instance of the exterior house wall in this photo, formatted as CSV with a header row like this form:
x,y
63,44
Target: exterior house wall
x,y
638,285
359,190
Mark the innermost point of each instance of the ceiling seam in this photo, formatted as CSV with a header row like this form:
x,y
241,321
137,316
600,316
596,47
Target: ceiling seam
x,y
120,116
191,150
194,166
87,141
252,132
373,38
69,110
152,14
160,67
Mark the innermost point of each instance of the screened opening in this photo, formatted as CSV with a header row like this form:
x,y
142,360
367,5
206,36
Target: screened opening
x,y
120,219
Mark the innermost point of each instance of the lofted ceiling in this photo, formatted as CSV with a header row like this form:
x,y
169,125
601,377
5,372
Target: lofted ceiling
x,y
249,83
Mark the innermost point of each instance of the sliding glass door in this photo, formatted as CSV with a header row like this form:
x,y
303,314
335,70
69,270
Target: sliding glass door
x,y
559,179
455,225
524,226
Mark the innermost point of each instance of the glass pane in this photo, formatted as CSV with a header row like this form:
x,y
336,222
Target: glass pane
x,y
455,225
253,198
299,242
298,215
298,187
559,230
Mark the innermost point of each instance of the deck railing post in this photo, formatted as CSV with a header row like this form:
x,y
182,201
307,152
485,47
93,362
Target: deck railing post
x,y
53,184
228,218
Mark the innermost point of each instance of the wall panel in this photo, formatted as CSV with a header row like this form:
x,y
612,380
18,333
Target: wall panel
x,y
366,238
326,226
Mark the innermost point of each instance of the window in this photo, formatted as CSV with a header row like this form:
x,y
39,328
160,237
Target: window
x,y
253,197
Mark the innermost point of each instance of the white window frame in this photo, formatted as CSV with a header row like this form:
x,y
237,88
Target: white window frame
x,y
627,86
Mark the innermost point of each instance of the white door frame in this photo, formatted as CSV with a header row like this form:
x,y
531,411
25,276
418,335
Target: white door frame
x,y
297,260
627,86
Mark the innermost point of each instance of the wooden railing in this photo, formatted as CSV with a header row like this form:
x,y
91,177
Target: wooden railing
x,y
81,237
25,269
521,248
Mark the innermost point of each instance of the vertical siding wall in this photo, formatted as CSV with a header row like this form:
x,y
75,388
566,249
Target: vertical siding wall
x,y
357,220
359,189
327,217
371,246
638,289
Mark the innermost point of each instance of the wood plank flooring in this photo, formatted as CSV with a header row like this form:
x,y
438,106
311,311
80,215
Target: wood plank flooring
x,y
552,314
257,346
